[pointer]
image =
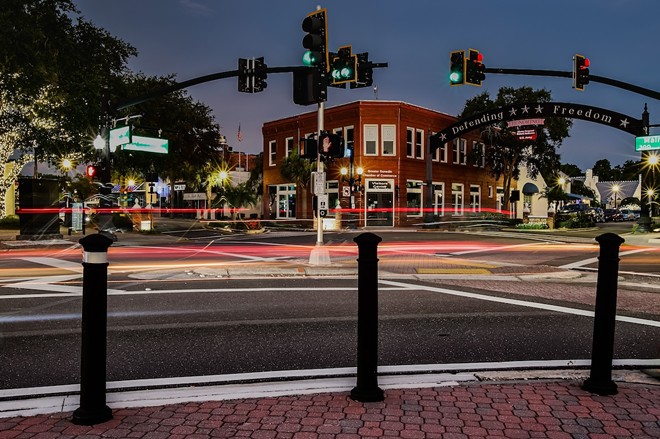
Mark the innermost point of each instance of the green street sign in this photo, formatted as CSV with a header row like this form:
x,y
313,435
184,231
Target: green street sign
x,y
120,136
645,143
148,144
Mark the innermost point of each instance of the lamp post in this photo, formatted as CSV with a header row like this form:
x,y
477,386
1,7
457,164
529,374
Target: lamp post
x,y
354,178
615,190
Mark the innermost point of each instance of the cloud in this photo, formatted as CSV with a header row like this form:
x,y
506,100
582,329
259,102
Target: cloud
x,y
195,7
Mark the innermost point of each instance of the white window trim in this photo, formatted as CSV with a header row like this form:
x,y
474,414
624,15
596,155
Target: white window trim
x,y
364,144
414,190
410,132
383,130
421,149
288,142
272,151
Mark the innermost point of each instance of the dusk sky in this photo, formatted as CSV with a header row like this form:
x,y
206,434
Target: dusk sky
x,y
191,38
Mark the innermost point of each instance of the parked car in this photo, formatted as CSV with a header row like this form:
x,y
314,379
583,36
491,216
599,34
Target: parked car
x,y
596,214
573,208
613,215
630,214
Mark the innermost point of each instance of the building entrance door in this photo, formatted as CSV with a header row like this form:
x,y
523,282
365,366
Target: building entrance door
x,y
380,203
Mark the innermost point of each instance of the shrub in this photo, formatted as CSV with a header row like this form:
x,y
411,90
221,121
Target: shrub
x,y
10,222
532,226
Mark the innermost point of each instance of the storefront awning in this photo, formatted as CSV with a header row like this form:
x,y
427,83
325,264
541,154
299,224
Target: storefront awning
x,y
530,188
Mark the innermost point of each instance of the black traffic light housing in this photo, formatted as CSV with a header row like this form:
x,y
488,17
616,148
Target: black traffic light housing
x,y
316,40
252,74
580,72
308,87
308,148
474,68
457,67
343,67
365,71
316,56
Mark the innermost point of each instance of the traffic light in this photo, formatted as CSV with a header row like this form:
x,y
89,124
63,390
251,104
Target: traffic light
x,y
331,145
92,171
580,72
252,74
260,74
312,86
308,87
365,71
343,66
457,67
243,75
309,148
474,68
316,40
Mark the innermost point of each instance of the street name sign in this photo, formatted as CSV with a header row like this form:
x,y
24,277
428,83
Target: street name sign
x,y
646,143
120,136
148,144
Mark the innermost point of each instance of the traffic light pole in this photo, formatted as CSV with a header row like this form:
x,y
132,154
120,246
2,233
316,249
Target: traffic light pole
x,y
319,169
592,78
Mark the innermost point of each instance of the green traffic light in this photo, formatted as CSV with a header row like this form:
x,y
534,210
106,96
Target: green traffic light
x,y
455,78
311,58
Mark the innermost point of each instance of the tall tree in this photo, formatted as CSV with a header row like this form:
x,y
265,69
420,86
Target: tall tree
x,y
53,65
570,169
195,148
505,153
603,169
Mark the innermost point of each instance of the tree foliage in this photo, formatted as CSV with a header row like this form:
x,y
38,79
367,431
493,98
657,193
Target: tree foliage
x,y
53,65
189,126
504,152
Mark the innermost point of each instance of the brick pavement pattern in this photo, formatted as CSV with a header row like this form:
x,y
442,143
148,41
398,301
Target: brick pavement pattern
x,y
543,409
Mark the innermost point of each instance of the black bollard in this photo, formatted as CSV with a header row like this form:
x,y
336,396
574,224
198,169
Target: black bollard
x,y
367,389
600,379
93,408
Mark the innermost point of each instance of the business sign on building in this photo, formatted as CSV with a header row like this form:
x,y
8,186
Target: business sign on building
x,y
646,143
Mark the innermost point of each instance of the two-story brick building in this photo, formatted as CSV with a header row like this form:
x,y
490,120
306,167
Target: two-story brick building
x,y
389,142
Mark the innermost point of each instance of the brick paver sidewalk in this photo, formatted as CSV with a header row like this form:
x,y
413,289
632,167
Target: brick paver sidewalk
x,y
558,409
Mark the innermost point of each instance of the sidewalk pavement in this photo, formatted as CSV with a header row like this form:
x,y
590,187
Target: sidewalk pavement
x,y
536,404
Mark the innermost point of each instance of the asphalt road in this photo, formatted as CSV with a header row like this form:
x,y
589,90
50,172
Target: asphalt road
x,y
236,326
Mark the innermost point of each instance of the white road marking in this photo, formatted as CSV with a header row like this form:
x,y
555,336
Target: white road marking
x,y
578,264
543,306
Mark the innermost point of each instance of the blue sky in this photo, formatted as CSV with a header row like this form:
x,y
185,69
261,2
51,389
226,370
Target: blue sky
x,y
191,38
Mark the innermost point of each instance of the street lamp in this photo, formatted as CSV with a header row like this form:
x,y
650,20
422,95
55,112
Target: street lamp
x,y
615,189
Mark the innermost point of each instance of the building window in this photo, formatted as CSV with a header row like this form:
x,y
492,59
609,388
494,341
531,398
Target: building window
x,y
443,152
479,153
371,140
332,189
410,134
454,151
289,146
414,197
475,197
439,198
500,198
272,153
282,201
462,151
419,144
388,133
490,191
457,198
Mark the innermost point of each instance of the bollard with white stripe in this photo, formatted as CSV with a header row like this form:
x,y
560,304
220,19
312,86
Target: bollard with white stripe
x,y
93,408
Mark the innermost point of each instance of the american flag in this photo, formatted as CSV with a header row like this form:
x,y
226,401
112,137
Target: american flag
x,y
240,134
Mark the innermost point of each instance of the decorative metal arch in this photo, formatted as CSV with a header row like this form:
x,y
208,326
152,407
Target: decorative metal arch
x,y
538,110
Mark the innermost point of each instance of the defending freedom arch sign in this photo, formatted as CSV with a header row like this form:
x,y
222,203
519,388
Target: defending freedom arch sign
x,y
538,110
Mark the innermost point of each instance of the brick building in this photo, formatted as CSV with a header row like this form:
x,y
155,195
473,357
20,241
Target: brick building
x,y
389,141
